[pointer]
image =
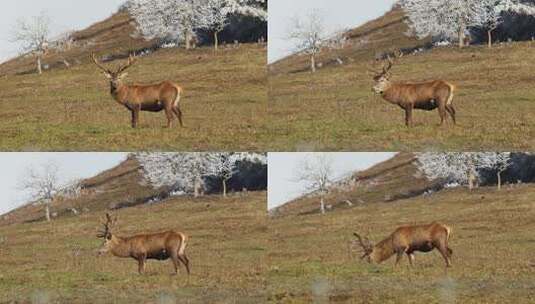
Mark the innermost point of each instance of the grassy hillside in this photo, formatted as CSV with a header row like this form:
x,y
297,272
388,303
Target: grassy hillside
x,y
119,187
110,35
56,262
224,98
388,181
335,108
492,242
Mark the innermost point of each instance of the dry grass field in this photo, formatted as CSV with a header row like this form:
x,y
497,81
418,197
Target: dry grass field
x,y
56,262
492,242
224,100
335,109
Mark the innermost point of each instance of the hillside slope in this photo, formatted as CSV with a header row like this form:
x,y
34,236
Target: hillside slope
x,y
392,180
223,102
118,187
56,262
368,40
114,34
335,109
310,258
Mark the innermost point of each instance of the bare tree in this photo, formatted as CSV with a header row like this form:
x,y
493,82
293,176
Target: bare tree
x,y
316,172
309,35
33,36
42,185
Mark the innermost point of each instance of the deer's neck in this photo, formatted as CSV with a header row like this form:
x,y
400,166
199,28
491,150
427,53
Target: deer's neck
x,y
390,93
120,248
382,251
119,92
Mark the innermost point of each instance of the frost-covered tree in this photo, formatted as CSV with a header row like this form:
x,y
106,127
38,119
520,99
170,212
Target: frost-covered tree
x,y
168,19
316,172
441,18
309,35
180,19
452,18
42,184
177,171
217,13
490,17
462,167
223,166
33,36
497,161
186,171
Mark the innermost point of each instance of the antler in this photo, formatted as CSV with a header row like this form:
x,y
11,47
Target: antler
x,y
131,60
365,245
107,226
391,61
94,58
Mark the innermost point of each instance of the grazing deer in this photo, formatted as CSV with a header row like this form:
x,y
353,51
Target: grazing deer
x,y
158,246
407,240
136,98
421,95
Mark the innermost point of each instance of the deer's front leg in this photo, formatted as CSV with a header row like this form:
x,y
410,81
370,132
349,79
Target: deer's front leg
x,y
135,115
408,115
141,263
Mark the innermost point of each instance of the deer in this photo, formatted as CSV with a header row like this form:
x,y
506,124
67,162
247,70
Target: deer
x,y
407,240
136,98
158,246
426,96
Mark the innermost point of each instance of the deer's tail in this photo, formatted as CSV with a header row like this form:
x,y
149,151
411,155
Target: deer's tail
x,y
179,92
450,97
182,247
448,234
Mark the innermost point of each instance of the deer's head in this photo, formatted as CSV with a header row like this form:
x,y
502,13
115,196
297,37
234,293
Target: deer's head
x,y
106,234
115,76
367,247
382,77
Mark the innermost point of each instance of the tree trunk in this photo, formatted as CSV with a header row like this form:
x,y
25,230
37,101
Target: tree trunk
x,y
47,212
322,205
462,28
471,179
196,187
499,180
313,63
224,187
188,40
216,40
39,67
489,33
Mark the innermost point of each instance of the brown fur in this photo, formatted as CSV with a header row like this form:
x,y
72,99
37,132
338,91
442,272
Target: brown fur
x,y
159,246
153,98
407,240
409,96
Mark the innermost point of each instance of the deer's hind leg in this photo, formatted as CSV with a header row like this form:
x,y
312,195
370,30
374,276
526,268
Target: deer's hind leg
x,y
175,260
446,254
452,112
169,114
185,261
178,113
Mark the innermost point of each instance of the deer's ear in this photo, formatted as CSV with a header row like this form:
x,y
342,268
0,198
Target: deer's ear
x,y
107,75
123,75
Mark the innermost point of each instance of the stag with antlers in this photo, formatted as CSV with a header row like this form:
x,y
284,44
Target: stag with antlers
x,y
137,98
426,96
158,246
407,240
